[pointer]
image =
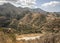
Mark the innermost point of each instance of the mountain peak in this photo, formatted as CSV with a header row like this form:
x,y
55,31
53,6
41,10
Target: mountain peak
x,y
7,4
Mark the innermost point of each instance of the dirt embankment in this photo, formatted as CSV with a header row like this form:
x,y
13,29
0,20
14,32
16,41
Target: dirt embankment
x,y
39,38
31,38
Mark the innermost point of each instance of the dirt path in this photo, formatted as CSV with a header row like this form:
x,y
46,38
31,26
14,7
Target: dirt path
x,y
28,36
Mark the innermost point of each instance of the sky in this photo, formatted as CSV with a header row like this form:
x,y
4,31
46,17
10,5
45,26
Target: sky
x,y
47,5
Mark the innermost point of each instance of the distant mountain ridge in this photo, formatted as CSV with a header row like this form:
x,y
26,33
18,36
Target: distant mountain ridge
x,y
8,5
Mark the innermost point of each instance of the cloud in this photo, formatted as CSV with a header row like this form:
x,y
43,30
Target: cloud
x,y
22,3
26,3
2,2
11,0
51,4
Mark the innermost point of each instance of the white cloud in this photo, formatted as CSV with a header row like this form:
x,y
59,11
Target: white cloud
x,y
3,1
51,4
22,3
26,3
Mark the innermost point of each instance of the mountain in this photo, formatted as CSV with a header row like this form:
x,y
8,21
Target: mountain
x,y
25,19
8,9
39,10
11,12
18,10
18,21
